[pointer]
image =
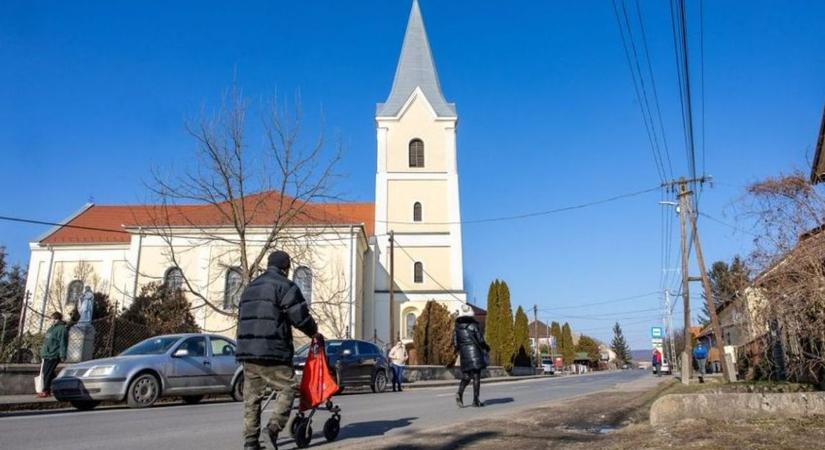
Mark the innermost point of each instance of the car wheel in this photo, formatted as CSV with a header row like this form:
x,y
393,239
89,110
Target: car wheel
x,y
237,390
85,405
143,391
379,382
192,399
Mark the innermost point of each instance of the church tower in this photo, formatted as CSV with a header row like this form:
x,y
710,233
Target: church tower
x,y
416,191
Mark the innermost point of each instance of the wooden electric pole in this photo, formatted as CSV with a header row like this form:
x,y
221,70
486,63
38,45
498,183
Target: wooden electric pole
x,y
683,202
714,319
392,286
686,213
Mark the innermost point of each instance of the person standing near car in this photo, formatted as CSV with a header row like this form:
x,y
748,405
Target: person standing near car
x,y
700,353
657,362
471,347
270,306
52,352
398,358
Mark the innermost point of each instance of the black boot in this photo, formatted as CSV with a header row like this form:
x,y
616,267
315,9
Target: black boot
x,y
252,445
459,401
478,403
273,436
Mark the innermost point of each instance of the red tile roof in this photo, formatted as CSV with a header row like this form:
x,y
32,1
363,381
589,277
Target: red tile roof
x,y
105,224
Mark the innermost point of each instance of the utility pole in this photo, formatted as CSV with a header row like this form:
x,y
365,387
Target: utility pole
x,y
683,205
714,319
392,286
536,333
686,213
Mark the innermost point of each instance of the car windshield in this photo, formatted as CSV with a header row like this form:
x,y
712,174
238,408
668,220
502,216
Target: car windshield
x,y
331,348
151,346
547,361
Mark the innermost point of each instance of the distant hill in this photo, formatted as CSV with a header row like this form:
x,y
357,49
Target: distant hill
x,y
641,355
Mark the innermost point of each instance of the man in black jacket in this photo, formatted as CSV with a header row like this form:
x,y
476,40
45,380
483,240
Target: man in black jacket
x,y
270,306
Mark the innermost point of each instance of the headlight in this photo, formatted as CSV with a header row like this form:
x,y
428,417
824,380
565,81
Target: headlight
x,y
99,371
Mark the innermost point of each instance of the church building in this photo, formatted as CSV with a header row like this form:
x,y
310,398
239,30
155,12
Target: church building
x,y
374,265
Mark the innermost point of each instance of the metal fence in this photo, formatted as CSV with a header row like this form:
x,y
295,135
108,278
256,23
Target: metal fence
x,y
22,338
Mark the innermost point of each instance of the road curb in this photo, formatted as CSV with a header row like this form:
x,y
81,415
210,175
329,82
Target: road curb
x,y
443,383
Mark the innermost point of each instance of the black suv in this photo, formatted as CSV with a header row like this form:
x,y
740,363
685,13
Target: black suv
x,y
352,362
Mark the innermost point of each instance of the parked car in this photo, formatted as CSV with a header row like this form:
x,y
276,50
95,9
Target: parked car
x,y
352,362
186,365
547,366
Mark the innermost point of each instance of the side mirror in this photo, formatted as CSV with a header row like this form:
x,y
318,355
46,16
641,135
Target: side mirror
x,y
180,353
346,352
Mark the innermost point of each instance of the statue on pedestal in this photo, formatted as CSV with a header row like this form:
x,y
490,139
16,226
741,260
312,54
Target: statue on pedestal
x,y
87,306
82,334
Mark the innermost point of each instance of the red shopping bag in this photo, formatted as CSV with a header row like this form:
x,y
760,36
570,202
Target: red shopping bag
x,y
317,384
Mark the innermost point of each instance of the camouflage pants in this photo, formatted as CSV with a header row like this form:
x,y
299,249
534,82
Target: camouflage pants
x,y
257,379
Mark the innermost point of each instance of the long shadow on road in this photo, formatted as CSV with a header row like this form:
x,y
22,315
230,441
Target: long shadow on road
x,y
498,401
374,427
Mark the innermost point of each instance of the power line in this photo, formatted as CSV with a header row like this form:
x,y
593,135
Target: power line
x,y
653,84
603,302
639,88
532,214
448,291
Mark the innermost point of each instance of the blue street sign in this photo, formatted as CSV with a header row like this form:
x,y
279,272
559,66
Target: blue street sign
x,y
656,332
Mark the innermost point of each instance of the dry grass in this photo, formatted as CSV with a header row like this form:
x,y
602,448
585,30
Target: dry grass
x,y
588,423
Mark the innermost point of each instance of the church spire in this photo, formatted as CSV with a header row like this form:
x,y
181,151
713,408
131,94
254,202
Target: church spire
x,y
415,69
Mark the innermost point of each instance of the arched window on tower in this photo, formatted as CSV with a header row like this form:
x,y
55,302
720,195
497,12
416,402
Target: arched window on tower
x,y
173,279
417,212
409,325
303,278
416,153
418,272
232,288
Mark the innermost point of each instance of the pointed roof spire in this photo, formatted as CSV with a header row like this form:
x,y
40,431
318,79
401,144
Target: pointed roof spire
x,y
415,69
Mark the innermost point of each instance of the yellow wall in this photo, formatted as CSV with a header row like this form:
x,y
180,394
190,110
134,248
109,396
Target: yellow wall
x,y
436,262
418,122
402,195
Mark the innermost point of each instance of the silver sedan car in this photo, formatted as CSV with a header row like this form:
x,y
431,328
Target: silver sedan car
x,y
186,365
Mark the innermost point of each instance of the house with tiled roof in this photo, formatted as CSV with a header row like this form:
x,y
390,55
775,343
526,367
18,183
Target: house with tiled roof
x,y
382,261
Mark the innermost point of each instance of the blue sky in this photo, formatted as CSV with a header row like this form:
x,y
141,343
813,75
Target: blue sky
x,y
95,94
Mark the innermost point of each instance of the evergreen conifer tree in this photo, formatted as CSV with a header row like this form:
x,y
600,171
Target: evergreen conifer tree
x,y
590,346
555,331
507,343
619,345
492,328
568,351
433,335
521,331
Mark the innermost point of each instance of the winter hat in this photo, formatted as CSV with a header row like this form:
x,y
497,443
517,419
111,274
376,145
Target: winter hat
x,y
279,259
465,311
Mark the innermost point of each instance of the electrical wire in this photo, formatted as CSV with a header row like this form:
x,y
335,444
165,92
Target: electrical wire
x,y
534,213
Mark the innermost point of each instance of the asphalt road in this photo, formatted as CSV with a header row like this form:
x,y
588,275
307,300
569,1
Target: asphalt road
x,y
217,425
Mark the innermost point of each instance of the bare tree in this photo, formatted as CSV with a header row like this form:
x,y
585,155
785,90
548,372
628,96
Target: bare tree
x,y
788,306
245,196
332,301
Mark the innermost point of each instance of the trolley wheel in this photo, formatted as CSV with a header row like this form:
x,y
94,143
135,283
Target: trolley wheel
x,y
303,433
332,427
294,422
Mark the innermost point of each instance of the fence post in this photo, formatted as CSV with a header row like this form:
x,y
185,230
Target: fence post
x,y
112,332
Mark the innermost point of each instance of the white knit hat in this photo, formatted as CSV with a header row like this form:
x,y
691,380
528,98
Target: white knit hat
x,y
466,311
